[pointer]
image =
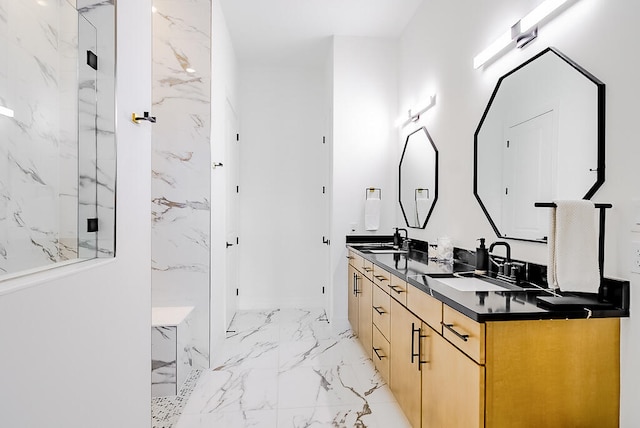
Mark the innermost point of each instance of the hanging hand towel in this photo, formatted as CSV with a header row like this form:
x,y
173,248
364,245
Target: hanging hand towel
x,y
423,205
573,247
372,213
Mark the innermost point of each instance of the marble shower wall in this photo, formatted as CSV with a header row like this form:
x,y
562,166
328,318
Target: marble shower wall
x,y
45,80
181,162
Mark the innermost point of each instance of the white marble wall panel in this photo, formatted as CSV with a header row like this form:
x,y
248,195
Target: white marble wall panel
x,y
171,349
184,358
39,80
37,51
163,361
181,163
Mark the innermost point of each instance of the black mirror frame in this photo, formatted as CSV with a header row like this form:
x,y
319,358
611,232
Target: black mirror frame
x,y
600,137
435,198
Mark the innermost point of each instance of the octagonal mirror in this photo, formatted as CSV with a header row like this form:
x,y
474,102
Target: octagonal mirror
x,y
418,178
541,139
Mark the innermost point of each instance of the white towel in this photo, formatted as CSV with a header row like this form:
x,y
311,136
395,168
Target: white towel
x,y
573,247
423,204
372,213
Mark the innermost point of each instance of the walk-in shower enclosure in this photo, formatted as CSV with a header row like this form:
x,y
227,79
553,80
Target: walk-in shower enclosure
x,y
57,140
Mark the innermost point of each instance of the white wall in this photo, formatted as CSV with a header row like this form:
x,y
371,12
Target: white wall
x,y
436,56
364,145
76,341
284,213
223,91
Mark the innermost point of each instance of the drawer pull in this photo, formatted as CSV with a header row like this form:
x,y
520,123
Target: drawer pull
x,y
350,258
415,330
420,337
379,310
413,335
397,289
380,357
449,327
380,278
366,269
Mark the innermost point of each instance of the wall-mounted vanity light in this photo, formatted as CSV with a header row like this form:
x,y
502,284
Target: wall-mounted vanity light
x,y
6,111
413,117
520,33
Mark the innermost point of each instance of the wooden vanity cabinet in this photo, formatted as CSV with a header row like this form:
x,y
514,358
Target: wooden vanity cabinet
x,y
404,367
381,353
553,373
464,333
360,300
398,289
365,320
381,311
452,386
448,371
352,298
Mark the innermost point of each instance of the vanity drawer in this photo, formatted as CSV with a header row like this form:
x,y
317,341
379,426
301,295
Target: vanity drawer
x,y
381,278
380,354
367,268
464,333
381,311
353,258
427,308
398,289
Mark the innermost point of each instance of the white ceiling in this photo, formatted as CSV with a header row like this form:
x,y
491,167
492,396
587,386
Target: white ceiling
x,y
297,32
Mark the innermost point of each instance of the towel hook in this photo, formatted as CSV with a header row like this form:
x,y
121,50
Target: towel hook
x,y
145,116
369,190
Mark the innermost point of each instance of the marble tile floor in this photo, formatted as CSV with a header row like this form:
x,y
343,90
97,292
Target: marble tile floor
x,y
165,411
290,368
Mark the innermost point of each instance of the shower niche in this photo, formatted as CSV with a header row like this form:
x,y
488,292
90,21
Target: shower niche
x,y
57,149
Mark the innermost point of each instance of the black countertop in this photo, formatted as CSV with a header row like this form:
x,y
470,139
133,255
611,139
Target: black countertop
x,y
481,306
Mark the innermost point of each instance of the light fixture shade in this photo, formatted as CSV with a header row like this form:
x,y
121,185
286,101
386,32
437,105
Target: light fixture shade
x,y
522,32
6,111
539,13
498,45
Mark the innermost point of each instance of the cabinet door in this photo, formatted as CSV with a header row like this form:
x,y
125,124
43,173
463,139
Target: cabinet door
x,y
365,307
353,298
404,376
452,386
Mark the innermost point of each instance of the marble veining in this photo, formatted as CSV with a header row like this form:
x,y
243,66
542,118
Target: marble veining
x,y
181,152
48,159
290,368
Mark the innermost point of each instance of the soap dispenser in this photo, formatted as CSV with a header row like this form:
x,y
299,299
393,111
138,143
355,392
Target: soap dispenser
x,y
482,258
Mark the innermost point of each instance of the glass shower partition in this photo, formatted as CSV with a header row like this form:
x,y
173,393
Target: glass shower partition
x,y
52,119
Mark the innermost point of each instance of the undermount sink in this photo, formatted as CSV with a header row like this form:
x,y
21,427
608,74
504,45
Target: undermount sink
x,y
381,249
463,283
386,251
